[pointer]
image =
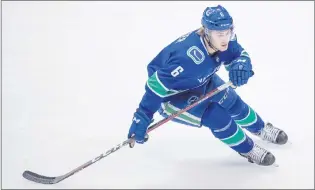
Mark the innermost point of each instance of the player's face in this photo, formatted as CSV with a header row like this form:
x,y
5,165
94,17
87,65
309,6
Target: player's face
x,y
220,39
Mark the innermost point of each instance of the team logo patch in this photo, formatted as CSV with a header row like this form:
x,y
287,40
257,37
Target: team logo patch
x,y
209,12
196,54
192,100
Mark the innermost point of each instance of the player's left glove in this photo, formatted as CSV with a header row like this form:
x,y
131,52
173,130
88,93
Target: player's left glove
x,y
240,71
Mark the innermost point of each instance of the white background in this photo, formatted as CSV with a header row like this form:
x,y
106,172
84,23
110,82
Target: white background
x,y
74,73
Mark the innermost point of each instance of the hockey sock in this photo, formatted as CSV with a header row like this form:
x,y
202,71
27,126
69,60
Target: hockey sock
x,y
225,129
246,117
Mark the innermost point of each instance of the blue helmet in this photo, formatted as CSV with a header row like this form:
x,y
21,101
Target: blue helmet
x,y
216,18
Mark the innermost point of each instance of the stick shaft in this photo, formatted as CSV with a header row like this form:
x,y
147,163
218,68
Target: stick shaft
x,y
52,180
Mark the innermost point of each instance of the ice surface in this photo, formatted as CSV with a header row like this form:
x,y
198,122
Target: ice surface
x,y
74,72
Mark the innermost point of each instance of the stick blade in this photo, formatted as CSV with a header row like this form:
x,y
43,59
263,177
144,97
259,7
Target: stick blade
x,y
38,178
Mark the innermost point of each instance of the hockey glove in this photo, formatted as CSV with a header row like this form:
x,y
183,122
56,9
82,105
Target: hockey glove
x,y
240,71
138,128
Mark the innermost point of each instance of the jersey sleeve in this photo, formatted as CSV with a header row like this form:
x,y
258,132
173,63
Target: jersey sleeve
x,y
165,82
234,51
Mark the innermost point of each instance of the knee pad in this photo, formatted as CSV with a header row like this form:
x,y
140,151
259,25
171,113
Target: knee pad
x,y
215,117
227,98
236,110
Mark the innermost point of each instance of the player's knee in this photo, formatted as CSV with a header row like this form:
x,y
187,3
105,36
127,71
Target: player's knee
x,y
227,98
215,117
237,107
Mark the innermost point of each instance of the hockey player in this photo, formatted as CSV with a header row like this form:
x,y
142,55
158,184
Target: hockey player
x,y
186,69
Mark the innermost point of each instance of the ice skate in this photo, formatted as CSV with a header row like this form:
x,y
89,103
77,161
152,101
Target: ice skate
x,y
259,156
273,134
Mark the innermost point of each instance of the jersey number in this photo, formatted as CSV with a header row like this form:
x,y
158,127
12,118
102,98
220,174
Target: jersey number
x,y
176,71
182,38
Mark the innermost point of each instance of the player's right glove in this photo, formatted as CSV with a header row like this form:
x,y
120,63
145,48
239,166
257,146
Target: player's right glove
x,y
138,128
240,71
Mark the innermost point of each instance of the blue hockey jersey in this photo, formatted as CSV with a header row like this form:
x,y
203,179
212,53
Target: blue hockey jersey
x,y
183,65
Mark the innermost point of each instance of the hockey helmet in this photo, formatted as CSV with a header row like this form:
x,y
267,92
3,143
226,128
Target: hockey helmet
x,y
216,18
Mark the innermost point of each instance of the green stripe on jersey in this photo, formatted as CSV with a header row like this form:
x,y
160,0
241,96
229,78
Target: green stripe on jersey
x,y
187,117
158,88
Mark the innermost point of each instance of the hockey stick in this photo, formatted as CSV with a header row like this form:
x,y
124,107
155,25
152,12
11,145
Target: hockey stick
x,y
53,180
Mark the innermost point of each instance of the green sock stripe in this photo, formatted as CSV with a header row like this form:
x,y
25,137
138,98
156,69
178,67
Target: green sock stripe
x,y
249,119
237,138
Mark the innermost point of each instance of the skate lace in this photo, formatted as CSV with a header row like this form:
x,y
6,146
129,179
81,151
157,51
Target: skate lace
x,y
269,133
257,154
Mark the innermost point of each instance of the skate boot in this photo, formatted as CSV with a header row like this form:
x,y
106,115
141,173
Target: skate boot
x,y
273,134
259,156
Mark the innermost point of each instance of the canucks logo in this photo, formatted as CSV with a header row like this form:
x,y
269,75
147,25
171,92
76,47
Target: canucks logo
x,y
192,100
196,54
209,12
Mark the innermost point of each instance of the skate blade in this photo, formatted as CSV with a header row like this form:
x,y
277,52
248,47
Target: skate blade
x,y
275,165
268,143
290,142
